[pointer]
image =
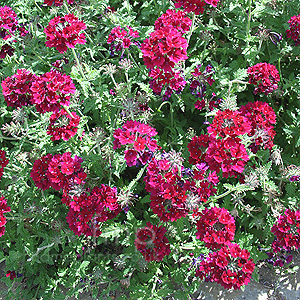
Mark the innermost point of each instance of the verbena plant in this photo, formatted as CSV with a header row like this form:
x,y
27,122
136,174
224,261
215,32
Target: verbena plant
x,y
147,145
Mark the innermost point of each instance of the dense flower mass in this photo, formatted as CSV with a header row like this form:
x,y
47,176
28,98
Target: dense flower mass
x,y
138,138
265,77
176,19
57,171
57,2
261,116
166,188
229,123
287,230
197,147
16,89
8,22
230,266
196,6
89,209
52,90
294,31
63,125
119,38
152,242
164,48
3,162
215,227
3,209
65,32
6,50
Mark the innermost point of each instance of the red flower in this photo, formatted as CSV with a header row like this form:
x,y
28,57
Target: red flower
x,y
119,38
265,77
39,172
52,90
166,188
196,6
3,209
62,125
16,89
6,50
137,136
8,22
230,266
229,123
287,230
176,19
64,32
197,147
229,155
294,31
57,2
11,274
164,48
152,242
3,162
261,117
89,210
215,227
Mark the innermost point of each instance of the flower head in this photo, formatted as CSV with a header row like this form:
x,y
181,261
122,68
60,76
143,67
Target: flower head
x,y
294,31
65,32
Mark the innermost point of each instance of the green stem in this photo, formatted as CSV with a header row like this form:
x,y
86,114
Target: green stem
x,y
78,63
131,57
248,22
171,111
192,28
66,6
279,68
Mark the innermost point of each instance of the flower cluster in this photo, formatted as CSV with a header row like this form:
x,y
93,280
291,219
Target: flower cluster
x,y
196,6
200,79
165,48
57,171
3,162
89,209
8,28
287,230
65,32
119,38
294,31
52,90
11,274
152,242
228,155
3,209
138,137
57,2
16,89
215,227
63,125
229,123
265,78
261,116
167,189
279,256
230,266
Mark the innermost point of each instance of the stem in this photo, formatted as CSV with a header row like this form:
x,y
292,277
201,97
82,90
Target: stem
x,y
249,22
66,6
131,57
192,28
78,63
279,68
171,111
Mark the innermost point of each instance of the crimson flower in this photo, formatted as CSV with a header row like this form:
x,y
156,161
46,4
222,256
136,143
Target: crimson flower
x,y
230,266
3,209
287,230
11,274
215,227
51,90
152,242
8,22
265,78
63,125
3,162
6,50
16,89
57,2
196,6
294,31
65,32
